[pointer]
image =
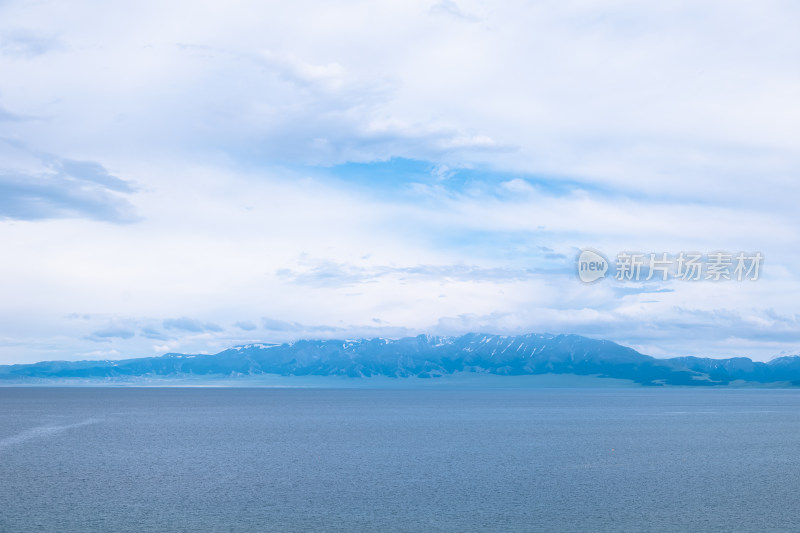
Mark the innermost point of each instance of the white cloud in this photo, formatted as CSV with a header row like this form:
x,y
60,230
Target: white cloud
x,y
614,124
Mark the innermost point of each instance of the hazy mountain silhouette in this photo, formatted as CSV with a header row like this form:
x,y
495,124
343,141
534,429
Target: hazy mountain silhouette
x,y
429,357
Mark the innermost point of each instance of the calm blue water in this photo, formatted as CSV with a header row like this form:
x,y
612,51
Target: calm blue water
x,y
249,460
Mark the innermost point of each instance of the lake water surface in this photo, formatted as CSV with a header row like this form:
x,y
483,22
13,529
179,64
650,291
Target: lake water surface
x,y
250,460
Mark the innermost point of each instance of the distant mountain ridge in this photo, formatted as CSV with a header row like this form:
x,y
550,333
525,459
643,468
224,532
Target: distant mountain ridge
x,y
428,356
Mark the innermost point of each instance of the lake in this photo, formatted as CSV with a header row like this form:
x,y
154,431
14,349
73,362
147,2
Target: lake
x,y
267,459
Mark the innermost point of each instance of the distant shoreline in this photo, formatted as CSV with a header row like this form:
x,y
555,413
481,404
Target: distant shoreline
x,y
456,381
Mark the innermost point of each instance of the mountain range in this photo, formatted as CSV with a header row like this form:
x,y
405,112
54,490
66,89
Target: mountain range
x,y
425,356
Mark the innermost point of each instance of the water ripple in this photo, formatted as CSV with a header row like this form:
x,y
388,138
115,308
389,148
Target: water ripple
x,y
47,430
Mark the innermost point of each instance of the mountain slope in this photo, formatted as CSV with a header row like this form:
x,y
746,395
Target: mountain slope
x,y
428,356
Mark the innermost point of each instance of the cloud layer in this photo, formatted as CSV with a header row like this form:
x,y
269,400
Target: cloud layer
x,y
183,179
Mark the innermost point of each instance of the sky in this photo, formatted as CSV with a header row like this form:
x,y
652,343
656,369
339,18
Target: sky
x,y
190,176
